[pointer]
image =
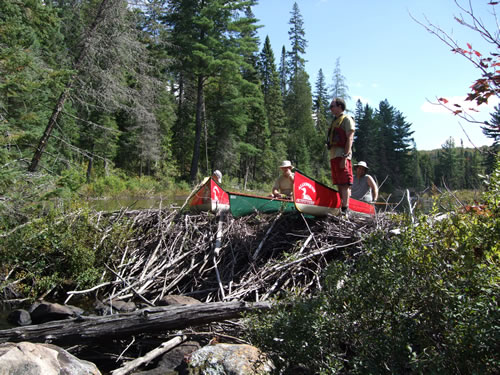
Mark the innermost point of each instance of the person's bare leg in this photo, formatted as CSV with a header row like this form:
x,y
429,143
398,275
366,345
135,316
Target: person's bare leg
x,y
345,192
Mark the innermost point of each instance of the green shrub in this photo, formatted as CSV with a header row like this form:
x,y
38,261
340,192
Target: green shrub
x,y
421,302
58,250
142,185
67,185
108,185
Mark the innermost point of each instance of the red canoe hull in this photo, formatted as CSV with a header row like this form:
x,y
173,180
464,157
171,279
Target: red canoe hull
x,y
313,198
210,197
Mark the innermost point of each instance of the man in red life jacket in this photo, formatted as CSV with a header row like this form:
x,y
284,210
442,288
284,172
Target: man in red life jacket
x,y
340,139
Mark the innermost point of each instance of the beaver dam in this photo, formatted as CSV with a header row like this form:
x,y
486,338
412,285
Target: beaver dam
x,y
219,258
230,265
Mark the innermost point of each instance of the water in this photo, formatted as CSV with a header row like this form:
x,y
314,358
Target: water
x,y
136,203
4,324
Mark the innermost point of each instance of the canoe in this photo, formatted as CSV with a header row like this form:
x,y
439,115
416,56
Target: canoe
x,y
245,204
313,198
210,197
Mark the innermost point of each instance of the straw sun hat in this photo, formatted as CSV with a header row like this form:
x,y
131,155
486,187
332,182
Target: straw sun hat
x,y
286,164
362,164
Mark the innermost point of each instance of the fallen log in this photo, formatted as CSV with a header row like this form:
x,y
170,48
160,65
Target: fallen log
x,y
148,320
128,367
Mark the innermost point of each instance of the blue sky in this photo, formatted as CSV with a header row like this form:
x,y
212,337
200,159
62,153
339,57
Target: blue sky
x,y
385,54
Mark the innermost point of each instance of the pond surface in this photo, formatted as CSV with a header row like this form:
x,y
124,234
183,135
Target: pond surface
x,y
137,203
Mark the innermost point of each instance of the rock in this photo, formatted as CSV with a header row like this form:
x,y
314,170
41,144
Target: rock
x,y
177,300
175,358
229,359
33,306
114,306
35,359
19,317
173,362
122,306
46,312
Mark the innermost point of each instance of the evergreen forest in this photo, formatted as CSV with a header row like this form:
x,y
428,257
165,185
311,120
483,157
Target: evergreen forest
x,y
172,90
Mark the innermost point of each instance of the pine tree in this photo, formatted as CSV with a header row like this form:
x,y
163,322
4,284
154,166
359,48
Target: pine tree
x,y
365,137
384,138
321,104
472,169
415,179
427,169
31,48
155,37
283,73
447,168
202,34
296,34
321,123
394,145
273,103
257,163
492,130
339,88
302,137
403,145
110,74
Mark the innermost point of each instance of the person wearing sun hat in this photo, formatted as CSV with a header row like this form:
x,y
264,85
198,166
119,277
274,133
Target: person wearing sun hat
x,y
364,187
284,183
217,176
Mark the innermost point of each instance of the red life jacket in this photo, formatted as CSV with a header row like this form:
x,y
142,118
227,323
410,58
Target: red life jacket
x,y
338,136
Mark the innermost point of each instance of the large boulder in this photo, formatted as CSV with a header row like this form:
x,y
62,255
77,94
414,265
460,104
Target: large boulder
x,y
46,311
35,359
229,359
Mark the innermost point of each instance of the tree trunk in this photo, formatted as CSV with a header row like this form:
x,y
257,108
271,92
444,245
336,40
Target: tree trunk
x,y
196,151
48,130
89,169
153,319
90,164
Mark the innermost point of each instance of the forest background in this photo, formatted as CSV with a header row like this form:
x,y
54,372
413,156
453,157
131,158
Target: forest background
x,y
112,95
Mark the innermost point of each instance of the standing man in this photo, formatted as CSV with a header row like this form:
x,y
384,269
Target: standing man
x,y
340,138
364,187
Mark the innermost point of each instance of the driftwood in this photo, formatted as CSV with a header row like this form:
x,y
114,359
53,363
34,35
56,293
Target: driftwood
x,y
130,366
149,320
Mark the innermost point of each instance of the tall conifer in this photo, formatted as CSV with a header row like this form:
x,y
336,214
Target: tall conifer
x,y
302,139
273,103
339,88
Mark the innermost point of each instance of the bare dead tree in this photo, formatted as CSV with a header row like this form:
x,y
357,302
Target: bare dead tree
x,y
56,112
110,57
489,83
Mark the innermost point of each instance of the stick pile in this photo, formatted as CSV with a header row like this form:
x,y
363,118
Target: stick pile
x,y
219,258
